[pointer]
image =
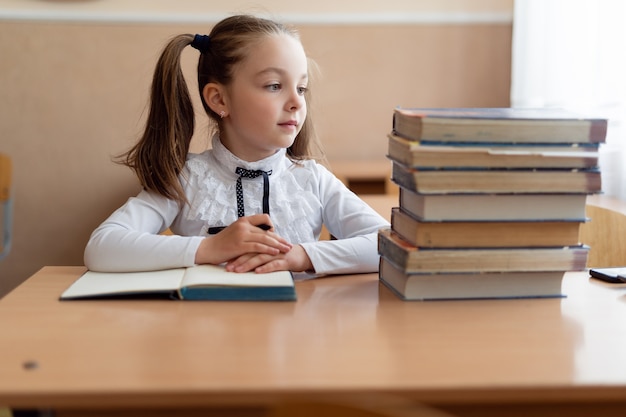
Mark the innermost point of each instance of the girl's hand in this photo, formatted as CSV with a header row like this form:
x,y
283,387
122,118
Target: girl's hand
x,y
244,236
296,260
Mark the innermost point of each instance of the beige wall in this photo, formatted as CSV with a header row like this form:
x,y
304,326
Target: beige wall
x,y
72,94
196,7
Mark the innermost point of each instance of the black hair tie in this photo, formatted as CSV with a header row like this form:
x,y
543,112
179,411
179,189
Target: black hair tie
x,y
201,43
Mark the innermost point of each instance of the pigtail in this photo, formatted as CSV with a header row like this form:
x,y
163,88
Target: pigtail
x,y
160,155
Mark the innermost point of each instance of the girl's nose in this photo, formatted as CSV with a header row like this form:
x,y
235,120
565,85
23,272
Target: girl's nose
x,y
296,100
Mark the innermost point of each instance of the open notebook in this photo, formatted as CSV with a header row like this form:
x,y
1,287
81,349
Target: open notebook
x,y
202,282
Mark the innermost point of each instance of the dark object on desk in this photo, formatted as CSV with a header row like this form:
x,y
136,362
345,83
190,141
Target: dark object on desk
x,y
612,275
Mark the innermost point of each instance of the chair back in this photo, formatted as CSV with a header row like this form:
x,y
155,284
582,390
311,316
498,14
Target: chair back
x,y
6,204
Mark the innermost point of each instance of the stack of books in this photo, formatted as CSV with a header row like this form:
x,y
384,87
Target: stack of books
x,y
491,201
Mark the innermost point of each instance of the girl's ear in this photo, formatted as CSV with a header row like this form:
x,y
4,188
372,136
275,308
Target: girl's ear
x,y
215,97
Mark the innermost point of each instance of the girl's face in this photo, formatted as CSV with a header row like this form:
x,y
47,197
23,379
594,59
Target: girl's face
x,y
266,106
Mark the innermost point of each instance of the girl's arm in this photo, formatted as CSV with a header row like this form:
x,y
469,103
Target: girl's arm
x,y
347,217
355,225
129,239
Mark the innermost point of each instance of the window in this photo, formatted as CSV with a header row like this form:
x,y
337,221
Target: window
x,y
572,54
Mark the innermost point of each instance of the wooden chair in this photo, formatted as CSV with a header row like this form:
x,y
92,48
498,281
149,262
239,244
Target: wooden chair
x,y
605,233
6,203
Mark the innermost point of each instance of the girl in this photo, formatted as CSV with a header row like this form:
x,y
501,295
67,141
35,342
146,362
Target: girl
x,y
252,77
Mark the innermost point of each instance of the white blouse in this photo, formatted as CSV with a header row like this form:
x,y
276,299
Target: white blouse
x,y
302,197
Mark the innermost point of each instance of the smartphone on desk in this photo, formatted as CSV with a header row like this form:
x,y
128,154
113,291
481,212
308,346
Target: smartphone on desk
x,y
613,275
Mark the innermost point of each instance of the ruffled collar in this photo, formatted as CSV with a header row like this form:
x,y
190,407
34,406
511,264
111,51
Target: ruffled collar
x,y
211,192
229,161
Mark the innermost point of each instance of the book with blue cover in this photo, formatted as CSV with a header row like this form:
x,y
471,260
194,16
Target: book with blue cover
x,y
201,282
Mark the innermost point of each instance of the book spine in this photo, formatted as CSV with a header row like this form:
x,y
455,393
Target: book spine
x,y
403,177
392,252
597,131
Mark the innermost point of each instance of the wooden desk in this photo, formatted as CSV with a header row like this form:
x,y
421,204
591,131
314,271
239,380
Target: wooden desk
x,y
345,336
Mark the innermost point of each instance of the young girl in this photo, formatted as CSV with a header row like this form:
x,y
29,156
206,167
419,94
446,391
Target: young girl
x,y
257,200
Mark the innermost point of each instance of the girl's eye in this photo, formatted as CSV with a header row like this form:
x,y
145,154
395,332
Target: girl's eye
x,y
273,87
302,90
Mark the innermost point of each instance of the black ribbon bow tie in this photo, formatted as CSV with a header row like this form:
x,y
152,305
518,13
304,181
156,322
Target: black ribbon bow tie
x,y
249,173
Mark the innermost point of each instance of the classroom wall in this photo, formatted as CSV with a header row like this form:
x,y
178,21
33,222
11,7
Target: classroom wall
x,y
73,93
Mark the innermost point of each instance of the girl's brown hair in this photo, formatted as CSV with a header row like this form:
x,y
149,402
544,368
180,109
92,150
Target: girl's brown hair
x,y
159,156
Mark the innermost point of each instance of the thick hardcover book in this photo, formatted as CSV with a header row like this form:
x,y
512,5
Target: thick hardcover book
x,y
493,207
202,282
413,259
540,284
418,155
435,181
483,234
498,125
